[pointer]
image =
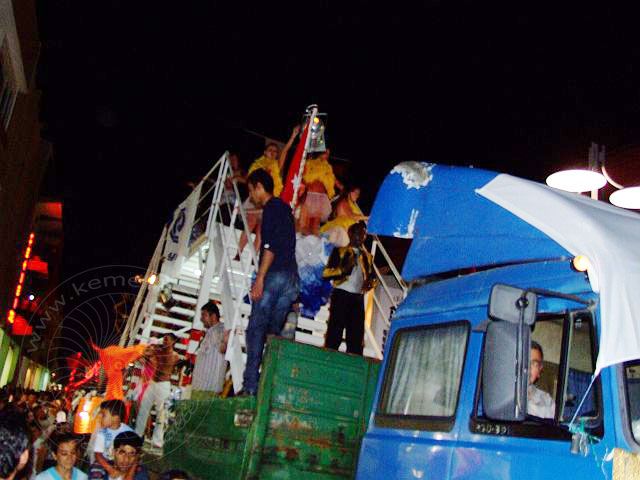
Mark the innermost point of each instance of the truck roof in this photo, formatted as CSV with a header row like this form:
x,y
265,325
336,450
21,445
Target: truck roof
x,y
454,295
462,217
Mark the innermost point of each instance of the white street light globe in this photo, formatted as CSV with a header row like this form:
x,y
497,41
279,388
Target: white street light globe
x,y
577,180
626,198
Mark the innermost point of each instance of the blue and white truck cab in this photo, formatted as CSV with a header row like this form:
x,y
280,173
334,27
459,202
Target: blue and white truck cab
x,y
493,278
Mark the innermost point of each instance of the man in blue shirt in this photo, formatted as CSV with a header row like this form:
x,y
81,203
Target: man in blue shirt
x,y
277,285
126,460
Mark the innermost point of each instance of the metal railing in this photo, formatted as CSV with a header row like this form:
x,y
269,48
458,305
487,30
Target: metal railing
x,y
134,320
383,299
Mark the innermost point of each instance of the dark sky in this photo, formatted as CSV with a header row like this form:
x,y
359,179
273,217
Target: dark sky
x,y
141,97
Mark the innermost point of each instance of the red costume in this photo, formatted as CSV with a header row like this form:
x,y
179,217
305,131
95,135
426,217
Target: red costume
x,y
115,359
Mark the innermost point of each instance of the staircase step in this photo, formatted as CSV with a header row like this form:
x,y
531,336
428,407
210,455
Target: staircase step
x,y
179,310
172,321
185,298
178,346
314,326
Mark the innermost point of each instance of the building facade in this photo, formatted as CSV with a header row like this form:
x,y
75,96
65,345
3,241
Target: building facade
x,y
23,159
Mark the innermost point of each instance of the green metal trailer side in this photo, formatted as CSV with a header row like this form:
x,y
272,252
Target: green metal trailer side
x,y
306,422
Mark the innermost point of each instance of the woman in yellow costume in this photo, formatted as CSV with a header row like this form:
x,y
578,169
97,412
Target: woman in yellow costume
x,y
272,163
347,212
320,184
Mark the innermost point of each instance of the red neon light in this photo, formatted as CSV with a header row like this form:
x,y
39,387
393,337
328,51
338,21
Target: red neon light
x,y
11,316
20,326
92,372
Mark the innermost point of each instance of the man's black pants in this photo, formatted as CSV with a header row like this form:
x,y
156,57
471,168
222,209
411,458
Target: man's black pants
x,y
346,313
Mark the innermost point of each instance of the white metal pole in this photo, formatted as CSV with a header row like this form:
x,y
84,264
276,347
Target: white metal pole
x,y
593,164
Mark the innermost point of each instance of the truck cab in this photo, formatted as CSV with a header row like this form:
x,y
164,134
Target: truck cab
x,y
461,393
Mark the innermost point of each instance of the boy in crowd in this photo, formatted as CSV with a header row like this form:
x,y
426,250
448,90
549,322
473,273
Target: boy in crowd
x,y
63,446
126,460
112,413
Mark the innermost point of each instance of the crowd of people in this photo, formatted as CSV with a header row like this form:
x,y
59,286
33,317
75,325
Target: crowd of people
x,y
37,441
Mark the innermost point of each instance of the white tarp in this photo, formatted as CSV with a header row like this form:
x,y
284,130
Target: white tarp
x,y
607,235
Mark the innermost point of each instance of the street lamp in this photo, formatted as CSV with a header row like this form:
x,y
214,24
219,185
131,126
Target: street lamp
x,y
626,198
585,180
576,180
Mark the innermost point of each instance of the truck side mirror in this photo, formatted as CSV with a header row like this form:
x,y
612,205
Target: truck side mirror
x,y
503,380
505,304
505,370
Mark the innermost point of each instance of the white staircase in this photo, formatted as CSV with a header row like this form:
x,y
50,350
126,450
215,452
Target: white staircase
x,y
194,257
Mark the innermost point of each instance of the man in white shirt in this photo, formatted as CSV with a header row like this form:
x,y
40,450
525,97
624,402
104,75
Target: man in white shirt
x,y
539,402
211,367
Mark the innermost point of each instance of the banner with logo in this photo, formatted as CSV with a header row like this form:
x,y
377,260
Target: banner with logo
x,y
178,234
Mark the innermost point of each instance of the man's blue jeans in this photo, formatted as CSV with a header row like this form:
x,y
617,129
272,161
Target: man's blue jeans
x,y
267,317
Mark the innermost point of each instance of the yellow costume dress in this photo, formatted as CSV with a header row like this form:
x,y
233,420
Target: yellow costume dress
x,y
343,221
271,166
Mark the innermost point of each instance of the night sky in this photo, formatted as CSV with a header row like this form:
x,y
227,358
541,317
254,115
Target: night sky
x,y
140,98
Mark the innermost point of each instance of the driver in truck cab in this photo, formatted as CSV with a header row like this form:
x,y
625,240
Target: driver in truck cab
x,y
539,402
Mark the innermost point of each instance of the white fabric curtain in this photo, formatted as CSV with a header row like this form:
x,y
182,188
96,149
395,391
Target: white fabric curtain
x,y
427,371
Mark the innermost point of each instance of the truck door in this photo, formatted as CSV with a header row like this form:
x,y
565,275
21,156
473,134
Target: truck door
x,y
539,447
415,427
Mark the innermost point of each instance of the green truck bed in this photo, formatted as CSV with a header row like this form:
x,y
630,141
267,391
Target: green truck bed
x,y
307,421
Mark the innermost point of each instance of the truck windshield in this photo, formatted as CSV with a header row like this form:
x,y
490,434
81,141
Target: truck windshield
x,y
632,381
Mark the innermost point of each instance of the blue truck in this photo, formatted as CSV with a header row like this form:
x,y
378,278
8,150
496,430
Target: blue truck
x,y
501,267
